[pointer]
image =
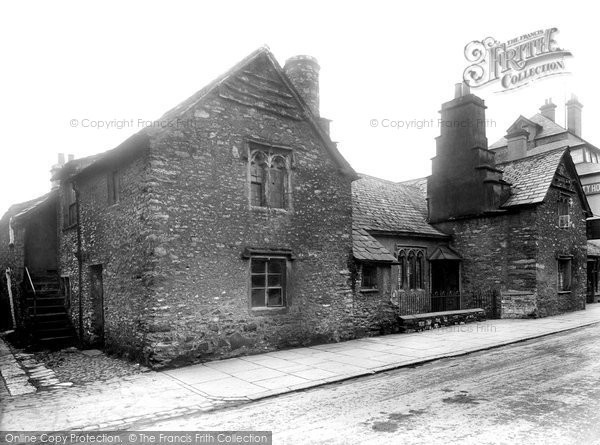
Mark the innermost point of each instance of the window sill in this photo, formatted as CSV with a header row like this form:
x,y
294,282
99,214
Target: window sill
x,y
564,292
270,209
268,310
369,290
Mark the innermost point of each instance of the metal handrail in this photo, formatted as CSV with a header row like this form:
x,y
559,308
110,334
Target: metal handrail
x,y
34,292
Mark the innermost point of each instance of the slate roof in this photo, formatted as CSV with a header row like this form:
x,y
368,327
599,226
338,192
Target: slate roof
x,y
531,176
20,210
367,248
549,128
386,206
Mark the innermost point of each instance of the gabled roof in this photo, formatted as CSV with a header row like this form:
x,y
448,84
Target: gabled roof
x,y
21,210
546,127
231,81
385,206
521,122
531,177
444,253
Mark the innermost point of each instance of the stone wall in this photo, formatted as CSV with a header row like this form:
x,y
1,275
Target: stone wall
x,y
499,253
13,258
204,221
516,254
112,236
555,241
176,283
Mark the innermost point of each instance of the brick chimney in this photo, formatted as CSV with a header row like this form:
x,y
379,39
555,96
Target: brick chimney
x,y
548,110
303,72
574,115
464,180
517,144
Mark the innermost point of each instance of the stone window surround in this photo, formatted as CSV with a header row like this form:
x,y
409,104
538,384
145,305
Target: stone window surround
x,y
272,150
564,205
283,254
567,261
69,203
374,275
405,269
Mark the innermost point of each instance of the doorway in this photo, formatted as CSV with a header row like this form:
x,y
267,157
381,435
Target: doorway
x,y
445,287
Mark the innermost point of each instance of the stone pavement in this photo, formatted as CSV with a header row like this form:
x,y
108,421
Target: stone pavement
x,y
122,402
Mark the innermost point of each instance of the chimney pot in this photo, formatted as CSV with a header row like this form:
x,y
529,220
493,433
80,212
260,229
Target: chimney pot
x,y
457,90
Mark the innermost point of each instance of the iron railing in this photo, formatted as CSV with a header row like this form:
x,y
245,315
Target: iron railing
x,y
420,301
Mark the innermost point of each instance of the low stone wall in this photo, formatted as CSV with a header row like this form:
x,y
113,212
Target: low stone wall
x,y
519,305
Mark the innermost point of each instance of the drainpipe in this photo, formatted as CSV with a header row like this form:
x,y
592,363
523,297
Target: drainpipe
x,y
79,264
10,298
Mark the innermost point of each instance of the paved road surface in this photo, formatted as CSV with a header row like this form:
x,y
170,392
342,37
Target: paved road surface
x,y
544,391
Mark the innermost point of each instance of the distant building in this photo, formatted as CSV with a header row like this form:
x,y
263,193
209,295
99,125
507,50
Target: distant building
x,y
540,133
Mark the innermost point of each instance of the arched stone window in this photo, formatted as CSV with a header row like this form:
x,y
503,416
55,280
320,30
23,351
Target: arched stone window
x,y
268,179
412,270
402,270
258,167
420,270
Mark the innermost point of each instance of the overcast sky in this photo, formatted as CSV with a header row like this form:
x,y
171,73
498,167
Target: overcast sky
x,y
107,61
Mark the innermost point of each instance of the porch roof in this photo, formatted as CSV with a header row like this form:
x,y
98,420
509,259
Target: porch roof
x,y
367,248
444,253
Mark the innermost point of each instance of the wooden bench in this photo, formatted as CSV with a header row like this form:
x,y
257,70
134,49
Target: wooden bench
x,y
432,320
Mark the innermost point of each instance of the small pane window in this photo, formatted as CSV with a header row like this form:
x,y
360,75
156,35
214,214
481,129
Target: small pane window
x,y
69,206
268,282
369,277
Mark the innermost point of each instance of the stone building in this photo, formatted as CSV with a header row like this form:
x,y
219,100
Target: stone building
x,y
508,236
226,229
234,226
541,133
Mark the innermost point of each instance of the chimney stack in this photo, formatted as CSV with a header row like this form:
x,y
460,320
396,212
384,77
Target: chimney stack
x,y
464,179
55,168
303,72
548,110
517,144
574,115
